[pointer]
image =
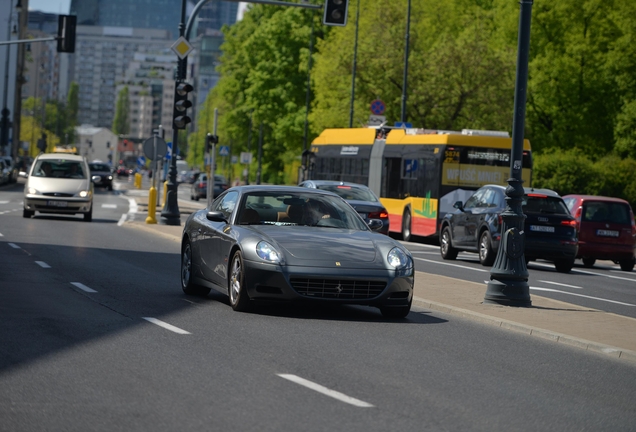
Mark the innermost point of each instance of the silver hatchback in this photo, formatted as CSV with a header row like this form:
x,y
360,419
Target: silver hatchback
x,y
59,184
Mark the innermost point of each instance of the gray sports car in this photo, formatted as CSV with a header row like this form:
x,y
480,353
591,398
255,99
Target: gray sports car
x,y
291,243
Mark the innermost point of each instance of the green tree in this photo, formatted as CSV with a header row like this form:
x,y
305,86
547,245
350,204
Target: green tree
x,y
121,122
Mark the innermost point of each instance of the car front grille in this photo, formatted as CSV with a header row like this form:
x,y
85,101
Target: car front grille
x,y
57,194
337,288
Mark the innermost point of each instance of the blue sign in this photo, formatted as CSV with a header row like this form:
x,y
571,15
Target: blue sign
x,y
377,107
141,161
169,151
404,125
410,165
224,150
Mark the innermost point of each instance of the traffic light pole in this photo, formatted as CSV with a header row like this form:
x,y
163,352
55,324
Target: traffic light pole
x,y
170,214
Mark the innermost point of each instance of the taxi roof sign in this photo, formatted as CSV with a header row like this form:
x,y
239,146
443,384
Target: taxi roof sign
x,y
181,47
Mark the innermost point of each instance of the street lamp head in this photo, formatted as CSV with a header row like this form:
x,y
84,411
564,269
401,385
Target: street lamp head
x,y
18,6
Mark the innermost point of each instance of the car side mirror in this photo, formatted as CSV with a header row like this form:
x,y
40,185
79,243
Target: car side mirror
x,y
375,224
459,205
23,174
216,216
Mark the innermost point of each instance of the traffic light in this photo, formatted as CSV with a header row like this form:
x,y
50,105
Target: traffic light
x,y
210,139
335,13
66,33
181,104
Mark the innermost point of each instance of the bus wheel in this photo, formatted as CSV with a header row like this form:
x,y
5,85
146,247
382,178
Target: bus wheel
x,y
406,226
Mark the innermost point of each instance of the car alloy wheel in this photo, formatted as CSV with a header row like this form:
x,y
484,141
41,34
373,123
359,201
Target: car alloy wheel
x,y
446,247
186,273
486,254
238,297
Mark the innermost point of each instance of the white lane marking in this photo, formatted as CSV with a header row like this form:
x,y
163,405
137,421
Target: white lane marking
x,y
166,325
604,275
324,390
561,284
109,206
419,245
83,287
452,265
14,246
1,235
4,202
581,295
42,264
425,252
132,209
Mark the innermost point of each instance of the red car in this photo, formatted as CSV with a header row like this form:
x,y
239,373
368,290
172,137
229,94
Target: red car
x,y
606,229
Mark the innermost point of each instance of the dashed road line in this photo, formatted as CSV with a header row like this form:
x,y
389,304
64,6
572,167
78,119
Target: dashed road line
x,y
580,295
166,325
42,264
561,284
452,265
326,391
83,287
14,246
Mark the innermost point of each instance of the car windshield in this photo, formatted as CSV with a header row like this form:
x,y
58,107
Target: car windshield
x,y
351,193
544,204
59,168
294,209
608,212
98,167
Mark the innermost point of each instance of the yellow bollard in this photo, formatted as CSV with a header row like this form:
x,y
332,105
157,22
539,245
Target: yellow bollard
x,y
165,191
152,206
138,180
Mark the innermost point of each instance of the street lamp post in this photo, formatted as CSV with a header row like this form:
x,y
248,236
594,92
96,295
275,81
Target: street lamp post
x,y
353,71
5,113
509,275
406,61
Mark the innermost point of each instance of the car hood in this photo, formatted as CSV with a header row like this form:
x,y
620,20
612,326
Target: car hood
x,y
61,185
314,246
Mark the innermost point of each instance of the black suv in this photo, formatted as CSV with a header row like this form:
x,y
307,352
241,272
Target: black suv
x,y
550,229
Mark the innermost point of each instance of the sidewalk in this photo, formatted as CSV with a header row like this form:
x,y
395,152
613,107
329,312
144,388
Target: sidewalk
x,y
590,329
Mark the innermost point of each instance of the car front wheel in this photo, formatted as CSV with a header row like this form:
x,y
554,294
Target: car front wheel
x,y
446,247
187,285
564,266
239,299
486,254
27,213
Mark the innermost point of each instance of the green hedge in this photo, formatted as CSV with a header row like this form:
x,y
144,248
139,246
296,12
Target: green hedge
x,y
568,172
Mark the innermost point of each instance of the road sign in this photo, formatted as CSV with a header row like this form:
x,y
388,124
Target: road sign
x,y
168,150
224,150
406,125
141,161
181,47
376,120
149,148
246,157
378,107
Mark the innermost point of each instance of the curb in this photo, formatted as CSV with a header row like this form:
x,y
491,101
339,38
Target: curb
x,y
596,347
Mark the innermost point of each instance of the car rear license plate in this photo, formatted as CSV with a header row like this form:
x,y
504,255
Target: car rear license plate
x,y
541,228
57,204
607,233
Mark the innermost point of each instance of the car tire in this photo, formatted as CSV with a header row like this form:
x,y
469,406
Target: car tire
x,y
239,300
89,216
406,226
110,187
396,312
588,262
627,265
446,248
486,253
187,285
27,213
564,265
196,198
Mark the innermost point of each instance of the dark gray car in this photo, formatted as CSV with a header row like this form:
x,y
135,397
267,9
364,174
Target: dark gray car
x,y
287,243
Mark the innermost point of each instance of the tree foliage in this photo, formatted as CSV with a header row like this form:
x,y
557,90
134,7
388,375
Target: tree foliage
x,y
121,121
461,74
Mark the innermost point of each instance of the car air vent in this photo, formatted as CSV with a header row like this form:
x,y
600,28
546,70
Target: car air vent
x,y
338,288
57,194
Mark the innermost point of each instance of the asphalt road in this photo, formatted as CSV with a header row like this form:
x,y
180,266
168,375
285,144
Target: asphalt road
x,y
95,334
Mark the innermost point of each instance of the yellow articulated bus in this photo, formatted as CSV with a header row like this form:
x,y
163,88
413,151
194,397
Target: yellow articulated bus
x,y
417,173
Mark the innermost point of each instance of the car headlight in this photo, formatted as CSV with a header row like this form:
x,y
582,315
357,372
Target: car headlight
x,y
83,194
110,177
267,252
398,259
32,191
